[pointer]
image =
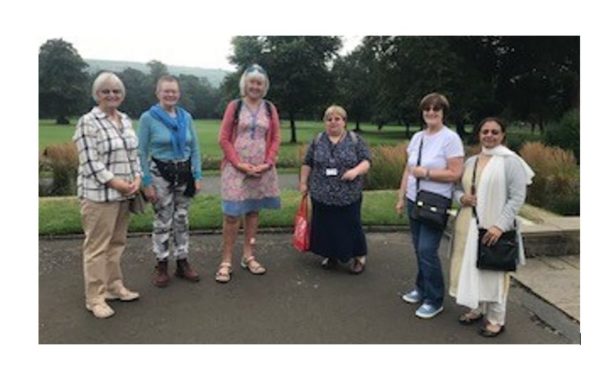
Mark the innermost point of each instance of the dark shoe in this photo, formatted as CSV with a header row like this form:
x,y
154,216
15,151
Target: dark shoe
x,y
357,266
161,277
183,270
490,334
329,263
469,318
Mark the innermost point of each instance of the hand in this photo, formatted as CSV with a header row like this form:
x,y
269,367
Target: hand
x,y
350,175
124,187
399,207
418,172
468,200
249,169
492,236
198,185
262,168
136,185
303,188
150,194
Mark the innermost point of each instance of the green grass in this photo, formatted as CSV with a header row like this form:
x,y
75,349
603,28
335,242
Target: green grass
x,y
60,216
50,133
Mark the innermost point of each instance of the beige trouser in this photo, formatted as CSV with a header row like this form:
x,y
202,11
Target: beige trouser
x,y
105,225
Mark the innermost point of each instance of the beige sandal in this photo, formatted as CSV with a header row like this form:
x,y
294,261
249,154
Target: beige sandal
x,y
252,265
223,275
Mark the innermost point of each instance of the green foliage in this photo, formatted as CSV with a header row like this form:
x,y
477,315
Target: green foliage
x,y
556,186
62,81
566,133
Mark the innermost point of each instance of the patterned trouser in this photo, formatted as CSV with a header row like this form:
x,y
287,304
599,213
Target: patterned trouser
x,y
171,217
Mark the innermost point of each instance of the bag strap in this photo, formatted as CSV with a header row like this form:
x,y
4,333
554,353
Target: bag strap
x,y
418,163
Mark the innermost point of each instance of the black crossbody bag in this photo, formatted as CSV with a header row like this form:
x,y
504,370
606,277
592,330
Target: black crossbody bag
x,y
501,256
430,208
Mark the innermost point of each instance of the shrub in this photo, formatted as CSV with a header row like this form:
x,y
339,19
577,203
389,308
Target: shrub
x,y
388,164
556,184
566,133
63,162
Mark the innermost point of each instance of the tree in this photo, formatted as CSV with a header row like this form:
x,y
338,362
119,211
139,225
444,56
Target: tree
x,y
354,85
297,68
138,92
62,81
156,70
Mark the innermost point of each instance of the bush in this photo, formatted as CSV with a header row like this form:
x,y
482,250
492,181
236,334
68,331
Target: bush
x,y
388,164
556,184
566,133
63,162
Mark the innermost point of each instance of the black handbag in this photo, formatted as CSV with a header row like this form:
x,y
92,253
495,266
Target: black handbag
x,y
430,208
501,256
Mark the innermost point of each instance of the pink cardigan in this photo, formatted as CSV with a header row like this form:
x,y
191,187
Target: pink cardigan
x,y
227,137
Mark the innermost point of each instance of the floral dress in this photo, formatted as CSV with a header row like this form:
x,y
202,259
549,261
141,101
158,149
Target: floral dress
x,y
242,193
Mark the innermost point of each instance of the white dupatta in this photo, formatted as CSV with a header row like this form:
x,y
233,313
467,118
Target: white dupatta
x,y
491,195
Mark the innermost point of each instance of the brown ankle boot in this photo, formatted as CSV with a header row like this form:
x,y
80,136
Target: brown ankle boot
x,y
161,277
183,270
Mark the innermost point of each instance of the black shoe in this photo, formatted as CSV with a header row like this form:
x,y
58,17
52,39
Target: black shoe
x,y
329,263
490,334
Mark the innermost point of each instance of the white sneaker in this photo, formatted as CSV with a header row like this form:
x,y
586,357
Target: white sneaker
x,y
412,297
100,310
427,311
123,295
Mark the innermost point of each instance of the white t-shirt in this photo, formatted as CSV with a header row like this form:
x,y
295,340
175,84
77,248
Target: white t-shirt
x,y
437,149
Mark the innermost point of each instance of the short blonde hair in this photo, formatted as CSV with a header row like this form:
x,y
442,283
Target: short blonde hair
x,y
335,109
254,71
104,78
167,78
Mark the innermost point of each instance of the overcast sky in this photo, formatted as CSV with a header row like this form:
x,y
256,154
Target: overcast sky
x,y
211,51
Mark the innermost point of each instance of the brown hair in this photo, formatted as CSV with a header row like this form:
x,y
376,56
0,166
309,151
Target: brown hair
x,y
437,101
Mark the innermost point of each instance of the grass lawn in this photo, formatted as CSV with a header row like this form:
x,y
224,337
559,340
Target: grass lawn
x,y
60,215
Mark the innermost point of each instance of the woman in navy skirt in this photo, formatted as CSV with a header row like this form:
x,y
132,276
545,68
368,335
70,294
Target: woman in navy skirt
x,y
332,172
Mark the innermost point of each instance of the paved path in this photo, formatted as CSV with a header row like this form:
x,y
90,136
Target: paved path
x,y
295,302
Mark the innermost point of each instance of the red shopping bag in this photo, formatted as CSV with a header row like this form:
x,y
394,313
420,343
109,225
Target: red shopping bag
x,y
301,237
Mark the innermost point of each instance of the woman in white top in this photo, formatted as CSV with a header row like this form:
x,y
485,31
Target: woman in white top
x,y
440,167
501,180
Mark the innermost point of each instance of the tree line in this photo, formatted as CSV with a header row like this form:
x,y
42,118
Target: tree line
x,y
530,79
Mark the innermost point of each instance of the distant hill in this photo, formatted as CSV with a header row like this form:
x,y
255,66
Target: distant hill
x,y
214,76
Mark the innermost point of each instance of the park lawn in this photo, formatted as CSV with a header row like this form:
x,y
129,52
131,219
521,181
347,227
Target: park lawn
x,y
60,215
51,133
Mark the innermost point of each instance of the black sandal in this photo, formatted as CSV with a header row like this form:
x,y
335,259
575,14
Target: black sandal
x,y
490,334
466,319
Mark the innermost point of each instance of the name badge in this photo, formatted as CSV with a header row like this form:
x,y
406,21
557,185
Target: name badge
x,y
331,172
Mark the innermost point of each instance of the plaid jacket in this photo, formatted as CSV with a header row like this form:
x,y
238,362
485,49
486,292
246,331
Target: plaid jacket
x,y
105,152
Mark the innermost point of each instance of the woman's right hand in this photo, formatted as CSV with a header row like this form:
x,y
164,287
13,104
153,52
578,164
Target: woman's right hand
x,y
303,188
399,207
124,187
249,169
468,200
150,193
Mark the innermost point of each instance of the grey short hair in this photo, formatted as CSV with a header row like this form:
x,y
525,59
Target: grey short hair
x,y
253,71
103,78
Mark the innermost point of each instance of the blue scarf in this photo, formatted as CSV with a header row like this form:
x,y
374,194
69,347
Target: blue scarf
x,y
177,126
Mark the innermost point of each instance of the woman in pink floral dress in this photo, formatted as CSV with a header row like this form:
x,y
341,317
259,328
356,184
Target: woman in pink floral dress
x,y
250,139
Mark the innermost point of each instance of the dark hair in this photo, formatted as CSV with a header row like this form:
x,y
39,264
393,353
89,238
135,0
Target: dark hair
x,y
437,101
494,119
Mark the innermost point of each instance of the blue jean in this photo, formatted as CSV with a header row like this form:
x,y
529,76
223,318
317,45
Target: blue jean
x,y
426,241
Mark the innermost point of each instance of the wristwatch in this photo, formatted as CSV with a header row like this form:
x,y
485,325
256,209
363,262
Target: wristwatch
x,y
427,175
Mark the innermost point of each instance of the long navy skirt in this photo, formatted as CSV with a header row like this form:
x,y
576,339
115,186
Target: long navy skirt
x,y
336,231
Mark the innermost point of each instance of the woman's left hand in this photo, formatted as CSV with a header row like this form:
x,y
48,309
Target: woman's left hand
x,y
350,175
262,168
198,185
492,236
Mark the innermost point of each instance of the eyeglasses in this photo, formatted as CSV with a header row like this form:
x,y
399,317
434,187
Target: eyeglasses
x,y
494,132
107,91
